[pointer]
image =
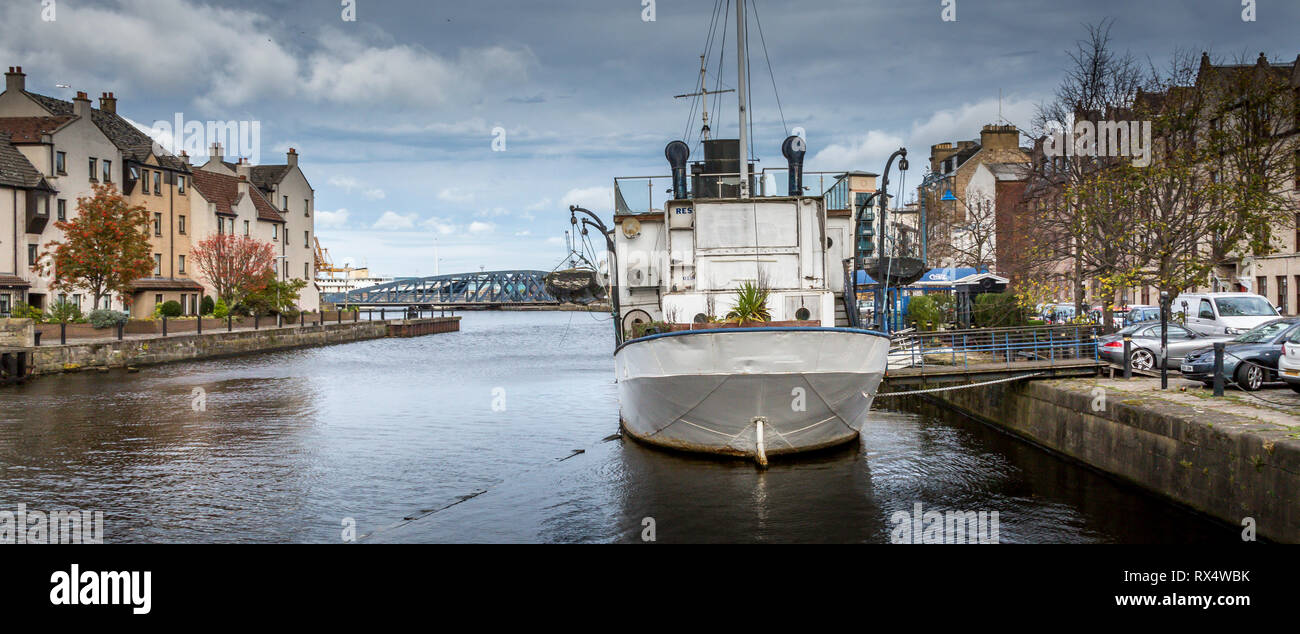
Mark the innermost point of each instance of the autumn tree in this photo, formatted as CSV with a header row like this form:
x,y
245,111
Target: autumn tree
x,y
105,247
235,266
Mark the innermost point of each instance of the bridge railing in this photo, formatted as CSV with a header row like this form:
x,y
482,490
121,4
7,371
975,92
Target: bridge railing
x,y
991,346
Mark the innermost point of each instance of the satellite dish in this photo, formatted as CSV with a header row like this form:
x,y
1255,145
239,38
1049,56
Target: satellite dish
x,y
631,228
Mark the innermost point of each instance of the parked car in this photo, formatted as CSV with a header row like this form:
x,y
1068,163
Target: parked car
x,y
1146,345
1226,313
1057,313
1250,360
1141,312
1288,363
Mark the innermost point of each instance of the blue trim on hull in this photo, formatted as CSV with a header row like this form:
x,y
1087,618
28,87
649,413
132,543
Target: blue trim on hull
x,y
682,333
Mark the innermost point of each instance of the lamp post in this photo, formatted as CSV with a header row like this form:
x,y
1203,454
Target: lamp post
x,y
1164,340
882,302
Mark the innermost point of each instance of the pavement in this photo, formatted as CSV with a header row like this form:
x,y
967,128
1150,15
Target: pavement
x,y
1275,403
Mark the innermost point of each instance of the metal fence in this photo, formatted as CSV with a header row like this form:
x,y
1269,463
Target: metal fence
x,y
990,346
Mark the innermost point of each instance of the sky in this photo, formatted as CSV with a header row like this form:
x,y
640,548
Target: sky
x,y
452,136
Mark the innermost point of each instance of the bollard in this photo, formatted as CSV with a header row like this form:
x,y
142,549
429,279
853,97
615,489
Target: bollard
x,y
1128,358
339,316
164,325
63,333
1218,368
200,324
230,322
302,319
279,320
383,314
356,316
120,326
257,319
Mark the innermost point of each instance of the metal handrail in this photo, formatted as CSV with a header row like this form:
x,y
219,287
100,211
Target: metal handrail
x,y
1004,345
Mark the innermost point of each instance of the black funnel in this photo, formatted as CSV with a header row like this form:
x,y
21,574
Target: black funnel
x,y
792,149
677,153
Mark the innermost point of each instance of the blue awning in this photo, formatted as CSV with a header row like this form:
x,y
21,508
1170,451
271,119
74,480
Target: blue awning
x,y
933,275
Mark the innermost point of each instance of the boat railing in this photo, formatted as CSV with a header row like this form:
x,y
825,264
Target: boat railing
x,y
640,194
984,346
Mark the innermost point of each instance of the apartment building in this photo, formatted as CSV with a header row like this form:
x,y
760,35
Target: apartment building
x,y
229,204
69,144
286,188
24,208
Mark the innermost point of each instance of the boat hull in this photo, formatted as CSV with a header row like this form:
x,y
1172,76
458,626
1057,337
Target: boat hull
x,y
709,391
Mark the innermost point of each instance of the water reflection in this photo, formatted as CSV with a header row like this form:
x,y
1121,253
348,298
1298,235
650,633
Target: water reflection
x,y
291,443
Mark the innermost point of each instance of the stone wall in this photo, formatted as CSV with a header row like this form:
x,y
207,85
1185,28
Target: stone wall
x,y
49,359
17,333
1227,466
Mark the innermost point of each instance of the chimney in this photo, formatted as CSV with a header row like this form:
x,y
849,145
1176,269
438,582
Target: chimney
x,y
938,153
108,103
15,79
293,157
214,152
245,172
81,105
999,137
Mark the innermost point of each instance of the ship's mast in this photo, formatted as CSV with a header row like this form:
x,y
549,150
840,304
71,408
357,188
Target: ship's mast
x,y
742,92
704,95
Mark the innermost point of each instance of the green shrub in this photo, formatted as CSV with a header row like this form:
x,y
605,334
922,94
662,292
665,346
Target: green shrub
x,y
62,312
926,312
22,311
206,306
220,310
751,304
107,318
172,308
998,310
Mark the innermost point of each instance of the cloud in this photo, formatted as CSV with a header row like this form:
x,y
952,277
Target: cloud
x,y
439,225
346,182
374,194
392,221
594,198
332,219
481,227
455,195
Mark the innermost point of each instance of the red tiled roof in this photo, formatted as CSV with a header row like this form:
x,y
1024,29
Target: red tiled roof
x,y
30,129
165,284
13,281
224,191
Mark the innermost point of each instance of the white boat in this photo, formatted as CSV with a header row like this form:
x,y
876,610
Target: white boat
x,y
802,381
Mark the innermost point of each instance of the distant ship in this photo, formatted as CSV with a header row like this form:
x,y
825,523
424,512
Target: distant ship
x,y
341,279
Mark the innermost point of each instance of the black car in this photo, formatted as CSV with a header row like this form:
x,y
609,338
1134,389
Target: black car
x,y
1249,360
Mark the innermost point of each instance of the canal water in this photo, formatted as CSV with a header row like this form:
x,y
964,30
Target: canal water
x,y
391,435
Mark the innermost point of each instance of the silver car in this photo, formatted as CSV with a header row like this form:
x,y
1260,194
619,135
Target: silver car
x,y
1146,345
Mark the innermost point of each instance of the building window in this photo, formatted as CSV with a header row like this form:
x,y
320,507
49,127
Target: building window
x,y
157,224
94,167
63,210
31,254
286,269
306,207
180,264
246,228
157,265
157,183
108,171
144,183
284,203
306,270
61,162
1281,294
180,184
1262,286
4,304
275,232
180,225
306,239
1297,169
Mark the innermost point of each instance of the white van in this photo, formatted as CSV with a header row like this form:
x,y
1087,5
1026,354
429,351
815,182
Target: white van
x,y
1223,313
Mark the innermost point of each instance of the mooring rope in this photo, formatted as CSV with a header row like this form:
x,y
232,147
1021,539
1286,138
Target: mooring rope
x,y
959,387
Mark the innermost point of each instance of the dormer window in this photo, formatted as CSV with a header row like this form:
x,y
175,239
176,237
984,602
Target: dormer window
x,y
157,183
180,184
